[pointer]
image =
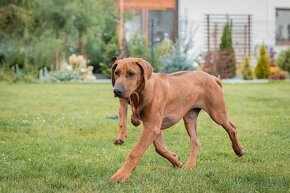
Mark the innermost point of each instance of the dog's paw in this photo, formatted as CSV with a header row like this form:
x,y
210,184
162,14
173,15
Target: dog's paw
x,y
239,151
119,142
121,176
188,166
135,121
176,161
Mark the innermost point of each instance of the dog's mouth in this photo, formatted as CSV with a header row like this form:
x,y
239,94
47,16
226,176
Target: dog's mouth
x,y
121,95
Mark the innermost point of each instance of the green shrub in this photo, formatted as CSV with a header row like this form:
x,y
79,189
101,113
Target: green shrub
x,y
63,75
226,63
137,47
284,60
226,39
162,50
262,69
247,72
179,57
22,75
105,69
178,61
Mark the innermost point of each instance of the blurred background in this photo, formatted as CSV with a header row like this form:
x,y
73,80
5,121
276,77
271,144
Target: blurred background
x,y
61,40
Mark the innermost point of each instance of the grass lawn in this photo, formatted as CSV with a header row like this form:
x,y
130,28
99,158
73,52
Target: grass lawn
x,y
56,138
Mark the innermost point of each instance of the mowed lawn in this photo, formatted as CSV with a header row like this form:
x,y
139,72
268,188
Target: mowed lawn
x,y
57,138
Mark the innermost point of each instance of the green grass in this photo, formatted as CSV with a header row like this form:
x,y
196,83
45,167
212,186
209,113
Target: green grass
x,y
56,138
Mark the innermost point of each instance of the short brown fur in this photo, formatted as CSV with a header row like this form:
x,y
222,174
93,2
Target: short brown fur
x,y
160,101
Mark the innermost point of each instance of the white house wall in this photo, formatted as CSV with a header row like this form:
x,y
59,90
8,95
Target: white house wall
x,y
262,11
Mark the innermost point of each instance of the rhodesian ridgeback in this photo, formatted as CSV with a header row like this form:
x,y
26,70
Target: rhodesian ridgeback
x,y
161,100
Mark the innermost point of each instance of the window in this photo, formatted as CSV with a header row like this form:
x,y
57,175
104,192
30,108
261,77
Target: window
x,y
161,23
283,26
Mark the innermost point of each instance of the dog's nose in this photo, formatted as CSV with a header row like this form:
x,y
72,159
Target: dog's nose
x,y
118,92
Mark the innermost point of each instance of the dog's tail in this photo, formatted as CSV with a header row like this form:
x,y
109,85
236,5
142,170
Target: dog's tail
x,y
218,80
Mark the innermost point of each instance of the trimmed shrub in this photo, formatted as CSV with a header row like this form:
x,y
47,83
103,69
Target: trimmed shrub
x,y
284,60
247,72
262,69
226,64
226,40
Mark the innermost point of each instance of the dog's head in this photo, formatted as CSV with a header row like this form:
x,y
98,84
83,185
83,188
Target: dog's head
x,y
129,75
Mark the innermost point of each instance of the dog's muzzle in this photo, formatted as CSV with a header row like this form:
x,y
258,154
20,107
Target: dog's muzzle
x,y
118,91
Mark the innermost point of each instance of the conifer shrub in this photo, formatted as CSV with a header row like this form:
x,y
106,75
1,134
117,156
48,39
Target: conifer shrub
x,y
226,64
247,72
284,60
262,70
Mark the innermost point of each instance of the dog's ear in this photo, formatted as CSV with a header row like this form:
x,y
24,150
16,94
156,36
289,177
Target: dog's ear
x,y
146,68
135,103
114,59
119,57
114,66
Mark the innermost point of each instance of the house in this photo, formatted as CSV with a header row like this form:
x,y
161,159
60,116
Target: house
x,y
155,19
252,22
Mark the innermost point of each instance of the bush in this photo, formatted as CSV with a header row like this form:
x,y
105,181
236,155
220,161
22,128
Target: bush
x,y
247,72
262,69
284,60
220,63
22,75
63,75
105,69
178,61
277,74
209,64
137,48
226,63
162,50
179,57
226,39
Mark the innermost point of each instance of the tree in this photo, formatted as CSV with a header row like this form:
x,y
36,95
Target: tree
x,y
262,69
44,33
226,39
226,64
247,72
284,60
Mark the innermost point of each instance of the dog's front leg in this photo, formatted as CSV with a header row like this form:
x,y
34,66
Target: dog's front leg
x,y
122,136
148,134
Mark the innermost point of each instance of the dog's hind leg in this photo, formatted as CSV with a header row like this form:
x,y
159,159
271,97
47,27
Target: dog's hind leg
x,y
190,124
164,152
220,117
232,132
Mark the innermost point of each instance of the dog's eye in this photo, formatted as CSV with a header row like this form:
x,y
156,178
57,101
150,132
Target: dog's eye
x,y
131,74
116,73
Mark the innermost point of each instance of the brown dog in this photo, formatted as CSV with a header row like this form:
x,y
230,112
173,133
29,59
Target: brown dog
x,y
160,101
